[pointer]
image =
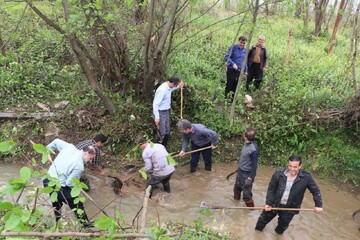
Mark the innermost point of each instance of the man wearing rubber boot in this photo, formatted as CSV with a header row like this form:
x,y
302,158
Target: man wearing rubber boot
x,y
286,190
200,137
162,105
155,158
247,168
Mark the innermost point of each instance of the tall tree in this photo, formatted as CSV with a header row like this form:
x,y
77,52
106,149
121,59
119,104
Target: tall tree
x,y
354,49
336,26
320,6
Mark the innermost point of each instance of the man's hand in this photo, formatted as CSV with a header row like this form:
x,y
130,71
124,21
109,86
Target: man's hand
x,y
264,69
181,84
99,170
182,153
157,122
267,208
235,66
213,146
318,210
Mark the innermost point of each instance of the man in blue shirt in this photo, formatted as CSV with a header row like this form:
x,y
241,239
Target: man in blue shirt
x,y
234,57
68,164
162,105
200,137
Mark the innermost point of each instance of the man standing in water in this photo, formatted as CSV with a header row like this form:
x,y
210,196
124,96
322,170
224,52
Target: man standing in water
x,y
247,168
286,190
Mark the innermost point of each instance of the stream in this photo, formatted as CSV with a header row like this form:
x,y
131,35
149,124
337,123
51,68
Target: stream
x,y
188,190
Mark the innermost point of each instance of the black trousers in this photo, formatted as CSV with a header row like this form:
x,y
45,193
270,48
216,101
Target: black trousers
x,y
242,186
232,78
256,73
195,157
64,196
284,220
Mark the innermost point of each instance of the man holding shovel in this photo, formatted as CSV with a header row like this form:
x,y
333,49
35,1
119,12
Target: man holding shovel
x,y
286,190
247,168
200,137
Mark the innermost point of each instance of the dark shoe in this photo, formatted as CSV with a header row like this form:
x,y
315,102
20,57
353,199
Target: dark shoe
x,y
237,196
279,231
250,203
88,225
208,168
257,228
192,169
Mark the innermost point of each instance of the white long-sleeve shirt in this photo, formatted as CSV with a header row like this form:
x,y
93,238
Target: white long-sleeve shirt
x,y
162,99
154,156
68,164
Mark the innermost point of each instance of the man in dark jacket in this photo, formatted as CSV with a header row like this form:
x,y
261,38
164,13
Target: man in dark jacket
x,y
256,63
200,137
247,168
286,190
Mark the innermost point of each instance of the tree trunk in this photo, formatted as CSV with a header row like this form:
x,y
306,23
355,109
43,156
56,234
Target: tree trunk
x,y
307,13
319,15
299,9
330,15
349,10
336,26
354,48
291,34
2,47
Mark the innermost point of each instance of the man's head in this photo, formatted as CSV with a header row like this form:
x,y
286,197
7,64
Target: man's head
x,y
100,140
249,135
88,153
261,40
294,165
141,141
242,41
184,126
174,81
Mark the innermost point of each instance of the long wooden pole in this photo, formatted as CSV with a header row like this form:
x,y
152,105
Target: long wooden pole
x,y
204,205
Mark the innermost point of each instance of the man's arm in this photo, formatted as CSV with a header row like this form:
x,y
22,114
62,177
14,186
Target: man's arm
x,y
254,156
314,189
75,173
228,56
57,144
159,95
272,188
265,59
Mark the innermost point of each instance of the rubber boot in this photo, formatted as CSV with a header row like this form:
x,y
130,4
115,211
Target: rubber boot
x,y
250,203
166,186
237,195
208,168
192,169
164,141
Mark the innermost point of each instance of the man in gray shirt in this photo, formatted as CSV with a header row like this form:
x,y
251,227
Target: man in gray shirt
x,y
247,168
200,137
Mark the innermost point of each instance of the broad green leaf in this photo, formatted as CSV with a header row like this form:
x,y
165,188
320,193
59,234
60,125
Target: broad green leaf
x,y
76,200
75,191
54,196
7,146
25,173
143,173
47,189
171,160
12,222
39,148
6,206
44,158
25,216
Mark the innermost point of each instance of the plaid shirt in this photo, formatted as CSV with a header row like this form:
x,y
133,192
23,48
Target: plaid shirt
x,y
90,142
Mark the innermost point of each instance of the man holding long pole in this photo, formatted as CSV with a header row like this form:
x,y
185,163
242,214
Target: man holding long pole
x,y
286,190
200,137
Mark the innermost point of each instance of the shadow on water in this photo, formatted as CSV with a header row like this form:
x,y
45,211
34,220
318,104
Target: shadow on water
x,y
189,190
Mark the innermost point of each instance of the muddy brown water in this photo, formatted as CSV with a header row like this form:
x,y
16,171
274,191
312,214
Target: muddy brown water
x,y
189,190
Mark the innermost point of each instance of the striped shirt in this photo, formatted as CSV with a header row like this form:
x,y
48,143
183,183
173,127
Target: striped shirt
x,y
90,142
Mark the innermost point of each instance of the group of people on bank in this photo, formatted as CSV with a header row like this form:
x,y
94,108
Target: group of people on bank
x,y
286,188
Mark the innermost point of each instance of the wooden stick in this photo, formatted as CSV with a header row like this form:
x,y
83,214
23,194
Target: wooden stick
x,y
204,205
181,103
145,204
197,150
